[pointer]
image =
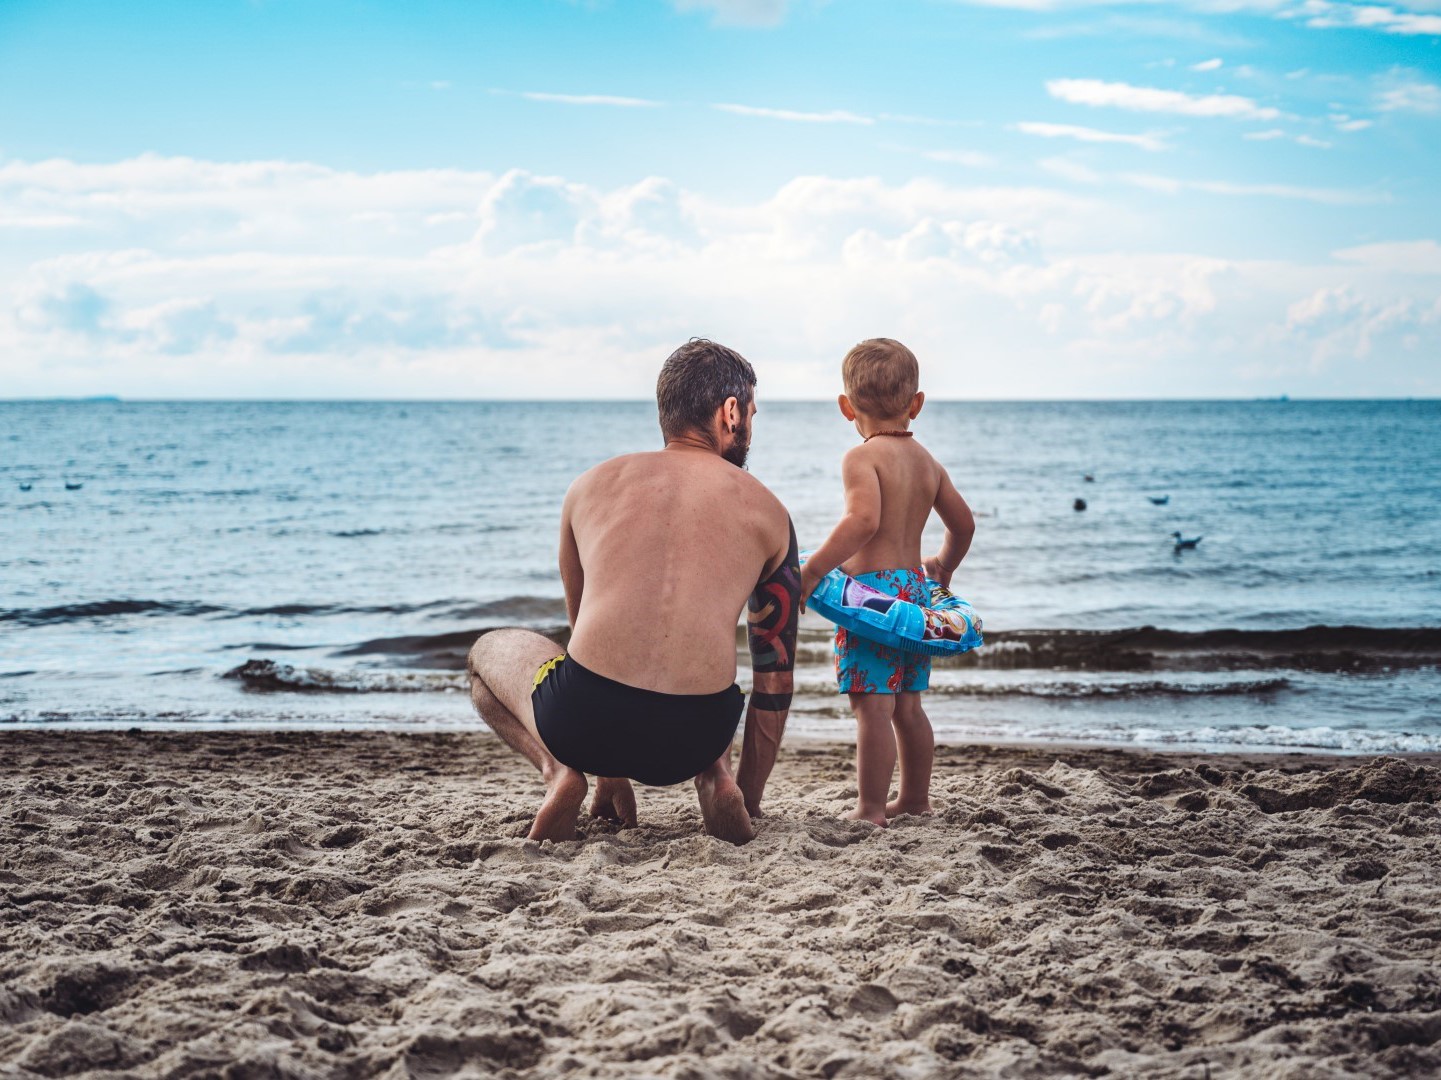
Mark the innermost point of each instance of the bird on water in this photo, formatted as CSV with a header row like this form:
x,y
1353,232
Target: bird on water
x,y
1183,544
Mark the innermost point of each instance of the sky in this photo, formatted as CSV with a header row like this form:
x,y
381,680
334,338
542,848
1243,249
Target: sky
x,y
480,199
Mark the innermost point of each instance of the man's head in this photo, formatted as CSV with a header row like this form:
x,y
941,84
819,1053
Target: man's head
x,y
882,379
707,392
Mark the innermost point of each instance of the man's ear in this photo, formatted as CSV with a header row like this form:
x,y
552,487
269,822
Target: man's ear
x,y
916,403
847,410
731,411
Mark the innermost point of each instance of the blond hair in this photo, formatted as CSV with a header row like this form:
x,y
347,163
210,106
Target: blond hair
x,y
881,376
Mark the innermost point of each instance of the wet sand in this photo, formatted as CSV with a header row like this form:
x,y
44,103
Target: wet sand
x,y
249,904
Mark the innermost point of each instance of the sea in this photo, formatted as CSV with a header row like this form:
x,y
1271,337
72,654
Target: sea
x,y
326,565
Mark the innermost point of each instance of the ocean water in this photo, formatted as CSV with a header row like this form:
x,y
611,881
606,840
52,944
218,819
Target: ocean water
x,y
328,563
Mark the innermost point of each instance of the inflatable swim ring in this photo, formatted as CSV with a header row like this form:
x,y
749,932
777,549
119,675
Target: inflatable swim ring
x,y
947,627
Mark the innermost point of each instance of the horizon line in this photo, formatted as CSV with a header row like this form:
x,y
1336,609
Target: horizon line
x,y
115,399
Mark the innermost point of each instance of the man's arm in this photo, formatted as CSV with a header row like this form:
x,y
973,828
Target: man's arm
x,y
572,576
960,526
771,623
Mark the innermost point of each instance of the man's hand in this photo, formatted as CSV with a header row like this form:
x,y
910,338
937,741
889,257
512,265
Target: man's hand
x,y
809,581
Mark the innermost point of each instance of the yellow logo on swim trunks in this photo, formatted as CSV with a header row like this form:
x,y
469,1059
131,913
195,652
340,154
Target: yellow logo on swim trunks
x,y
545,669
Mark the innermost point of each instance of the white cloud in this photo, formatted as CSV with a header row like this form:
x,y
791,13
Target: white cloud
x,y
1326,196
1325,14
1410,95
835,116
1092,135
739,12
1321,14
1405,257
1268,135
1151,99
1312,141
1207,65
194,278
582,99
1344,122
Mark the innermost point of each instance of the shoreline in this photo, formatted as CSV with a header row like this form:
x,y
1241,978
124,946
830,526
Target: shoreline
x,y
811,740
302,903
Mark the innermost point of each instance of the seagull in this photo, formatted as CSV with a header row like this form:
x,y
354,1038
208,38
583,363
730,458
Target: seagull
x,y
74,487
1079,504
1183,544
1159,500
26,487
1088,478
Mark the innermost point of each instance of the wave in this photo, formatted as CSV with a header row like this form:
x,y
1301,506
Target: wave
x,y
1051,688
266,675
104,609
1360,649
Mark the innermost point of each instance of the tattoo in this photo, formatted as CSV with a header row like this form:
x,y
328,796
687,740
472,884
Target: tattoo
x,y
770,702
771,620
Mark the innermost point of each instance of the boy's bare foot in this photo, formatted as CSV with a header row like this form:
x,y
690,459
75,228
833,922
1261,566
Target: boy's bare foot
x,y
564,794
878,819
896,808
723,807
614,801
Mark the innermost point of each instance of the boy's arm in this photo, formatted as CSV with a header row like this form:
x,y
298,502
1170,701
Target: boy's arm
x,y
572,576
857,525
771,625
960,526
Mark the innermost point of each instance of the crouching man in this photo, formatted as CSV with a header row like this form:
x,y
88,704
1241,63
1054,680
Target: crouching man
x,y
659,552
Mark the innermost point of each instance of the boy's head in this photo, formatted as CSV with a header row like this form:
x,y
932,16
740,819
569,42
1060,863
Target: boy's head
x,y
708,391
882,378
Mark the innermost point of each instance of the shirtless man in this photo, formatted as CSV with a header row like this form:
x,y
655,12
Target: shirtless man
x,y
659,552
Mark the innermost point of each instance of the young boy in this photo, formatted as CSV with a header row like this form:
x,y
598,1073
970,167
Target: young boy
x,y
892,484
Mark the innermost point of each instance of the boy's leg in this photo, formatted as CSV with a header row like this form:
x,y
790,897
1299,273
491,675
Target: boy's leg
x,y
917,745
875,755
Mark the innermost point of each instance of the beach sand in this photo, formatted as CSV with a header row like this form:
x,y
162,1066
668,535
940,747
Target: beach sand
x,y
299,904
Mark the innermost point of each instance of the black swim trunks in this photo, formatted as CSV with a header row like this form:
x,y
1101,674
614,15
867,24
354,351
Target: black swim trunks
x,y
605,728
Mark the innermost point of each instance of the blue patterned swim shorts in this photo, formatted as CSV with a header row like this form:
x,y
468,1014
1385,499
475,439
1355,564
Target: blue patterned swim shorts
x,y
865,667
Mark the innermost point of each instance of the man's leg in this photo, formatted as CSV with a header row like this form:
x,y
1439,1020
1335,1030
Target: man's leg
x,y
917,744
722,806
875,755
502,667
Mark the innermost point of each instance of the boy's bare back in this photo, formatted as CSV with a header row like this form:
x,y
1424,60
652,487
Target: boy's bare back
x,y
906,480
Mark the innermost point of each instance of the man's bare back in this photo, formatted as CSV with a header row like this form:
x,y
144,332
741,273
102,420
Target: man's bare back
x,y
672,544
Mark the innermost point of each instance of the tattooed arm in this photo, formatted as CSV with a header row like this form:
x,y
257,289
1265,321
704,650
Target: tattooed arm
x,y
771,622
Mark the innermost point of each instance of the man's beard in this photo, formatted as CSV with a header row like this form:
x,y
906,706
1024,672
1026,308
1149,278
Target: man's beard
x,y
736,452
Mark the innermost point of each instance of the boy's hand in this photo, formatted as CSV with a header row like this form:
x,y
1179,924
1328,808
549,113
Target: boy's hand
x,y
936,572
809,581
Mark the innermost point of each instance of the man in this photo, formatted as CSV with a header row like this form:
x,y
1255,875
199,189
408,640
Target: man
x,y
659,552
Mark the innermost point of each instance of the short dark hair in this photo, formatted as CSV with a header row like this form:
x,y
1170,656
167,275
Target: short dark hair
x,y
696,380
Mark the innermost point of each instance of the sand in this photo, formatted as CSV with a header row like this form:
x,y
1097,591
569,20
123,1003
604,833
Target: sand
x,y
338,905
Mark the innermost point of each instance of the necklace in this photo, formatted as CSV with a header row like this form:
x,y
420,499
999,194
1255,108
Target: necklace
x,y
899,434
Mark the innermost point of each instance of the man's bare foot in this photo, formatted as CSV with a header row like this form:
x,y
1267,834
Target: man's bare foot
x,y
873,817
564,794
723,807
614,801
895,808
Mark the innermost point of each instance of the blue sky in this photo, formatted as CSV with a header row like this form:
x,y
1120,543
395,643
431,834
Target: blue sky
x,y
326,198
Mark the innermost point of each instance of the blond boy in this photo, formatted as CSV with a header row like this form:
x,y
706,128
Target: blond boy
x,y
892,484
